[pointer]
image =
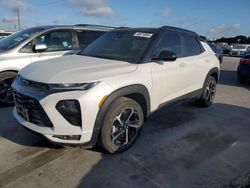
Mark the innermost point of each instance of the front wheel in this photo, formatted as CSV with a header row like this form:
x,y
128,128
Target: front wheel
x,y
208,93
6,98
121,125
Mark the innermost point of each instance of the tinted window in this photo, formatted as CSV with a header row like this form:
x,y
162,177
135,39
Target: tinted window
x,y
171,42
247,56
191,46
87,37
4,34
17,38
120,45
55,41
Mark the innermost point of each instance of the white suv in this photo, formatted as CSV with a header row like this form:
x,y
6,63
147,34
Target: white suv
x,y
40,43
105,93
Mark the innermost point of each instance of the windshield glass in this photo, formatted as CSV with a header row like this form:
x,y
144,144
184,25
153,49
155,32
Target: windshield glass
x,y
119,45
17,38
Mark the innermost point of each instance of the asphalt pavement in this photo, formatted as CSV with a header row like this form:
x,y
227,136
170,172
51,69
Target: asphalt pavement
x,y
180,146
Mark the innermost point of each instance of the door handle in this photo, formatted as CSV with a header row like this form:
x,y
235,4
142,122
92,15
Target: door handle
x,y
182,64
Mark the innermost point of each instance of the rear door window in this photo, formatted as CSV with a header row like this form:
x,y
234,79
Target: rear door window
x,y
87,37
191,46
171,42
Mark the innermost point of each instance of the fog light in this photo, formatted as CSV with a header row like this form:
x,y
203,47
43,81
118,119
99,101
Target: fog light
x,y
70,110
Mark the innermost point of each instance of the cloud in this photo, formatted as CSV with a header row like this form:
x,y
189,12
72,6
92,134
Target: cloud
x,y
166,12
160,17
59,19
13,4
223,30
9,19
97,8
101,11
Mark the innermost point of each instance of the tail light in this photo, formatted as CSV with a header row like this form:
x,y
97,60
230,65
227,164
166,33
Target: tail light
x,y
245,61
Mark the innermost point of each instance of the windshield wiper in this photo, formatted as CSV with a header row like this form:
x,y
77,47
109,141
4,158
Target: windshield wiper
x,y
99,56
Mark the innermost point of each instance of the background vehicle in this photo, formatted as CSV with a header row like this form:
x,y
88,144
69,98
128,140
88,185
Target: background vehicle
x,y
226,48
106,92
4,34
243,70
40,43
239,49
217,50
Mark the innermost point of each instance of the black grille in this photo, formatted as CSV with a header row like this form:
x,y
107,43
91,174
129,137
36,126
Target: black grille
x,y
32,84
31,110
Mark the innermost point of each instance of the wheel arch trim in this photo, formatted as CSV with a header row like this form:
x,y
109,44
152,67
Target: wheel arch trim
x,y
121,92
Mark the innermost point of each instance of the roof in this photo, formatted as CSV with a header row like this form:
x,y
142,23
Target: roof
x,y
178,29
78,26
95,26
142,29
154,30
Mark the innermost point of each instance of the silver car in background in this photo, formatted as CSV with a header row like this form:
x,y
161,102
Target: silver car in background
x,y
4,34
239,49
40,43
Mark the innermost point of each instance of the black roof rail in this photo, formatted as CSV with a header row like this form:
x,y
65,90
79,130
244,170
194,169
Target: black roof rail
x,y
122,27
93,25
178,29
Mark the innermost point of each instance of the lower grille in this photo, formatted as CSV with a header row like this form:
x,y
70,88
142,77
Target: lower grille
x,y
31,110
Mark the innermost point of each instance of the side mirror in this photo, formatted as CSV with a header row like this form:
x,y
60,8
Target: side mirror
x,y
40,47
165,56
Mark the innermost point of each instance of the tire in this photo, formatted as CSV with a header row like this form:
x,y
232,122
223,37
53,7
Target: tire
x,y
208,93
6,98
121,125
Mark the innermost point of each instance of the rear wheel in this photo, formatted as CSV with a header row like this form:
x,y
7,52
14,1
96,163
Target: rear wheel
x,y
208,93
6,98
121,125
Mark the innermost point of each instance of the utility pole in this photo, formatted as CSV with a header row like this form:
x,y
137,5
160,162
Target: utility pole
x,y
18,18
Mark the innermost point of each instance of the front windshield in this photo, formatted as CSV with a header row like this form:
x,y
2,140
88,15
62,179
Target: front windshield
x,y
120,45
17,38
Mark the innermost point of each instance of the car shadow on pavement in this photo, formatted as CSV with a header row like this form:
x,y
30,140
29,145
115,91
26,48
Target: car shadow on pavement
x,y
181,146
11,130
229,77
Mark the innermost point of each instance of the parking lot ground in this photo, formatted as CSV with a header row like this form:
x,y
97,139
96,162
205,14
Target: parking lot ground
x,y
180,146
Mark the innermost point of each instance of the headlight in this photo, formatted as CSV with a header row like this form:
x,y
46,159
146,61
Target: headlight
x,y
84,86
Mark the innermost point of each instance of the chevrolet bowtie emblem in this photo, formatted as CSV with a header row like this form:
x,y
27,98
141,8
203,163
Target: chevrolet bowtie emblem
x,y
25,82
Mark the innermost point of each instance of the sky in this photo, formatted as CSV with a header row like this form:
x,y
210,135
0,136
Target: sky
x,y
213,18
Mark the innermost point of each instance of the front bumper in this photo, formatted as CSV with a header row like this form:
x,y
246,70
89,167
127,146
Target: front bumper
x,y
88,100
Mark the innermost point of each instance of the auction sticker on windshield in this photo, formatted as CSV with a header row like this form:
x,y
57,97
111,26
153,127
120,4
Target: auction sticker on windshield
x,y
144,35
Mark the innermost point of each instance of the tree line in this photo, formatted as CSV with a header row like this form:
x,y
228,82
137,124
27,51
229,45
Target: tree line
x,y
241,39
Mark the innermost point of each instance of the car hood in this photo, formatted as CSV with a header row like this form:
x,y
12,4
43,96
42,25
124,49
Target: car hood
x,y
74,69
